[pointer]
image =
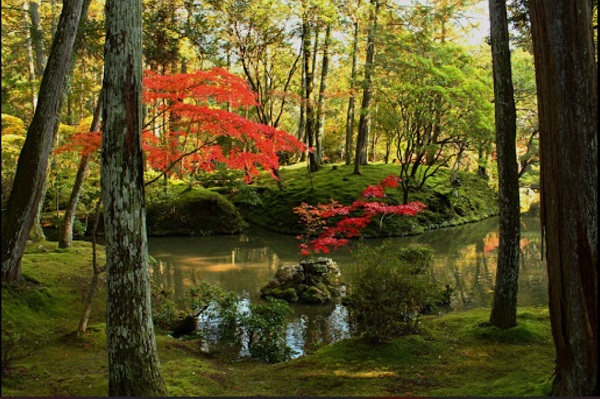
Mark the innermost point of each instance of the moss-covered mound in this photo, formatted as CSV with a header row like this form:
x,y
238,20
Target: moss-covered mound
x,y
447,204
195,211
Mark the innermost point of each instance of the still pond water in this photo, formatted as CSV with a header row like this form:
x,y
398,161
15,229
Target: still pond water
x,y
465,258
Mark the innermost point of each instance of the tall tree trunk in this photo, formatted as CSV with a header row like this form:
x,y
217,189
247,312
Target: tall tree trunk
x,y
320,129
504,308
567,87
133,364
351,100
30,64
310,125
362,141
39,50
33,160
37,38
37,232
65,239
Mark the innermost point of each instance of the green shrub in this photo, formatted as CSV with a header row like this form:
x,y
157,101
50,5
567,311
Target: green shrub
x,y
390,286
265,328
165,313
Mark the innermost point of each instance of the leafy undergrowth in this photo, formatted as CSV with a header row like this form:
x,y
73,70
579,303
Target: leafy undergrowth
x,y
458,354
447,205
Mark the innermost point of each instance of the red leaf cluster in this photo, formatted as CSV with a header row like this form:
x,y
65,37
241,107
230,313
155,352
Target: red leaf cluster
x,y
355,217
200,134
84,143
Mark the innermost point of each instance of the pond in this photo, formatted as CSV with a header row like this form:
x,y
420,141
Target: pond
x,y
465,258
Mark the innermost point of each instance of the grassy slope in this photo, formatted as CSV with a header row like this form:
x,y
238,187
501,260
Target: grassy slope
x,y
456,354
447,205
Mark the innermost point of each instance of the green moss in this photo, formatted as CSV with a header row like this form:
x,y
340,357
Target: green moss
x,y
288,294
193,211
447,205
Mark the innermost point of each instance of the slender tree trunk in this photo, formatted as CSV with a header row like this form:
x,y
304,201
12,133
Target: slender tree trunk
x,y
38,49
96,272
321,105
313,164
351,100
362,141
30,64
37,38
567,87
37,232
133,364
65,239
504,308
33,160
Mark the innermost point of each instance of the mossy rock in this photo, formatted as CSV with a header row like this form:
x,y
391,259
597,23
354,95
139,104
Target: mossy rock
x,y
193,212
316,295
289,294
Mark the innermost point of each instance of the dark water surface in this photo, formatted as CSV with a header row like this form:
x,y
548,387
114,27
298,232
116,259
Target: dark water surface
x,y
465,258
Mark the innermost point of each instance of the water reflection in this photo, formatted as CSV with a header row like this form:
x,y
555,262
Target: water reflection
x,y
465,258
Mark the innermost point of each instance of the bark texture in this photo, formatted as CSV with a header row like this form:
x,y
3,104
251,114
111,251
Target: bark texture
x,y
30,176
362,141
134,368
309,69
504,308
566,75
351,100
320,129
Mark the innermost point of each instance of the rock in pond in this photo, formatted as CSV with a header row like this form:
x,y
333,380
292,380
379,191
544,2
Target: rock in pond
x,y
315,281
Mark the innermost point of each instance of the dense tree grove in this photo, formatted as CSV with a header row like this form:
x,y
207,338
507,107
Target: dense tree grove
x,y
190,90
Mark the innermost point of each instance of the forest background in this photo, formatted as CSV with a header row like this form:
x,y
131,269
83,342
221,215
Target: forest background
x,y
426,105
431,89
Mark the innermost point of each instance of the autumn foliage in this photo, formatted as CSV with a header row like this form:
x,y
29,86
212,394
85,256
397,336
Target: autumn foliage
x,y
194,122
354,217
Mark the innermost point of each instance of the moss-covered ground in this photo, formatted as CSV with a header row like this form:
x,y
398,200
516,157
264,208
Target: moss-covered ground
x,y
457,354
447,204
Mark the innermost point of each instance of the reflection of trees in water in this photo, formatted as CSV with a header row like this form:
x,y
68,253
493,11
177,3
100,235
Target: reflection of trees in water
x,y
317,326
245,263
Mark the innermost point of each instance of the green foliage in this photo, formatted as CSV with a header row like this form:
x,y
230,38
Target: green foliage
x,y
13,137
165,312
226,324
265,328
389,288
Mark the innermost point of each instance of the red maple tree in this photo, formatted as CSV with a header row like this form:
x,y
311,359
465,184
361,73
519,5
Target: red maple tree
x,y
355,217
204,133
188,126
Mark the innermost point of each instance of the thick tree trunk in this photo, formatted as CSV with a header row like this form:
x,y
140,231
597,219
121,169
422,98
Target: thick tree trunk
x,y
65,239
134,368
504,308
362,141
31,169
566,74
351,100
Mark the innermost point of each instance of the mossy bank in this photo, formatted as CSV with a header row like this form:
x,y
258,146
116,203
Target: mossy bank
x,y
448,204
457,354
